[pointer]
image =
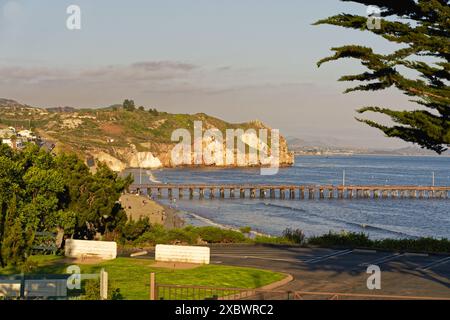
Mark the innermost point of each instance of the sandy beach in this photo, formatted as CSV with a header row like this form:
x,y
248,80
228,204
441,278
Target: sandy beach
x,y
137,207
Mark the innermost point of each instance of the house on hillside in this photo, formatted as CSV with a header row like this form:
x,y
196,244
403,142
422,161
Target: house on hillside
x,y
28,134
7,133
14,143
8,142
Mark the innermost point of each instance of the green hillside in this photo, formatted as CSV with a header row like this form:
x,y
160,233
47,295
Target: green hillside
x,y
112,130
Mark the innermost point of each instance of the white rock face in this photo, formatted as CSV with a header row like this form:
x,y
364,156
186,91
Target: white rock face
x,y
252,140
113,163
145,160
214,152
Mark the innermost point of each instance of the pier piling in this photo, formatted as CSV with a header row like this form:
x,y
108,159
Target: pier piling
x,y
305,192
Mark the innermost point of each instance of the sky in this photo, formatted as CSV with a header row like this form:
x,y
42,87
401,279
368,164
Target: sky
x,y
239,60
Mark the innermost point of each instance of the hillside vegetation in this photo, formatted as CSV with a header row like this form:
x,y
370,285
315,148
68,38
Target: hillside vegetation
x,y
116,135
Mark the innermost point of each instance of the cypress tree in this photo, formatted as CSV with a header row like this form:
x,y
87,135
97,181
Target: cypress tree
x,y
421,28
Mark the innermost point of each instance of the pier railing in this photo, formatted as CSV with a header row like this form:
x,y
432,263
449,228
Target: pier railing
x,y
310,192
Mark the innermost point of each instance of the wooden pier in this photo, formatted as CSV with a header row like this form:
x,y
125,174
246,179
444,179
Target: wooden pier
x,y
301,192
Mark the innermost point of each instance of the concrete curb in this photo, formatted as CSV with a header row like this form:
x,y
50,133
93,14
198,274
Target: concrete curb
x,y
252,292
279,283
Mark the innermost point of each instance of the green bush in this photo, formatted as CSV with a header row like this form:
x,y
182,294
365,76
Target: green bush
x,y
190,235
217,235
135,229
294,235
92,291
245,229
419,245
341,239
142,233
28,266
156,234
182,236
362,240
272,240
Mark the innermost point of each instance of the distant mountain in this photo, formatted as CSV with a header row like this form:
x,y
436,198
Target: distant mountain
x,y
62,109
297,143
408,151
319,147
8,103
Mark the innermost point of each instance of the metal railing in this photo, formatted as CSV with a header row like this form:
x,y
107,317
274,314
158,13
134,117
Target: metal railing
x,y
183,292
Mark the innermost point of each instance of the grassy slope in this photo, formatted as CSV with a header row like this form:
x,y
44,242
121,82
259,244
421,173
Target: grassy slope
x,y
132,275
142,128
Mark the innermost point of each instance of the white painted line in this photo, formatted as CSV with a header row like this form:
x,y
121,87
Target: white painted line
x,y
260,252
412,254
434,264
381,260
330,256
364,251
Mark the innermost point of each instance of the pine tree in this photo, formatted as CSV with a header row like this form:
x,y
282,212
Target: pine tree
x,y
421,28
129,105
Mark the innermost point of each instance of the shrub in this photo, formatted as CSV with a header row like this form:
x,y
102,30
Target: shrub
x,y
294,235
422,244
92,291
272,240
341,239
217,235
245,229
134,229
182,236
156,234
28,266
362,240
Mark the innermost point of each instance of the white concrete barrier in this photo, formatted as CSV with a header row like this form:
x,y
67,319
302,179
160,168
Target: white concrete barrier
x,y
166,253
106,250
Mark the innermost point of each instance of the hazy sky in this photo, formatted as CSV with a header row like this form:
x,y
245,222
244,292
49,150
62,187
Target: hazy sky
x,y
235,59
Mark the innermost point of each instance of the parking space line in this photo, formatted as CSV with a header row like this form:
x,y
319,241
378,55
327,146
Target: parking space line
x,y
326,257
413,254
382,260
256,252
434,264
364,251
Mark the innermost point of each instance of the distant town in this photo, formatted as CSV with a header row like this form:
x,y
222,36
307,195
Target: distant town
x,y
18,138
302,147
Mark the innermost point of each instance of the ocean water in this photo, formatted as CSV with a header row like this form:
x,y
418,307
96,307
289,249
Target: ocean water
x,y
379,218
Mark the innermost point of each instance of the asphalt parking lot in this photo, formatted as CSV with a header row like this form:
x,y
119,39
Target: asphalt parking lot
x,y
345,271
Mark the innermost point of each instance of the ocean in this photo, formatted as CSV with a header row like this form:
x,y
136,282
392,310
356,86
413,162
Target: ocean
x,y
379,218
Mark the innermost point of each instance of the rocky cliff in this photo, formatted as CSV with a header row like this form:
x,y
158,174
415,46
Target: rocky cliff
x,y
138,138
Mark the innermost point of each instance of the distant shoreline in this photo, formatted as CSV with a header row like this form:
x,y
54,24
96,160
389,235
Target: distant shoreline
x,y
373,155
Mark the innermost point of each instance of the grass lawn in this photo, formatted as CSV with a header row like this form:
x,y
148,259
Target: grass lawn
x,y
132,276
